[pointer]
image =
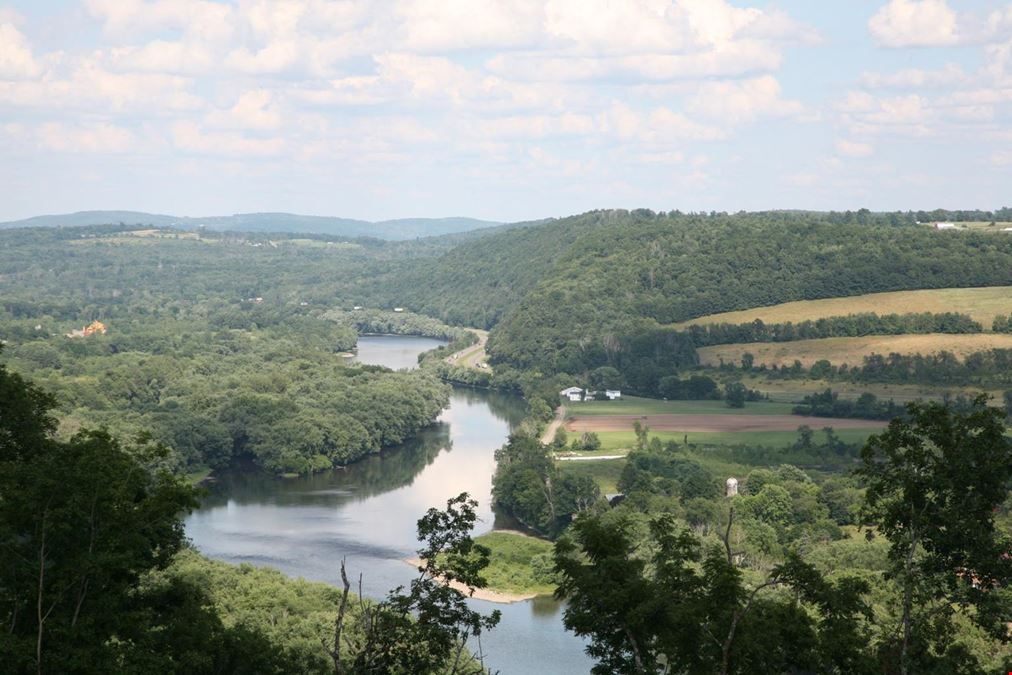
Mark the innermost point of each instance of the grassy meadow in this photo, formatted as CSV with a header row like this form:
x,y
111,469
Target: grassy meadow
x,y
633,405
853,350
605,472
511,569
982,304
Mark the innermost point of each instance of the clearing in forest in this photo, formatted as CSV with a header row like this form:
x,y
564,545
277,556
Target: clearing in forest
x,y
853,350
982,304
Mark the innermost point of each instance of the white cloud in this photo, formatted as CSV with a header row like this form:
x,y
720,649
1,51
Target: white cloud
x,y
90,86
161,56
16,58
442,25
275,57
95,138
255,109
915,78
739,101
189,137
659,125
853,148
195,18
915,23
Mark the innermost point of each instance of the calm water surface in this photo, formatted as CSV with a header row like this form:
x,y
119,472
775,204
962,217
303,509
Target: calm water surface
x,y
367,514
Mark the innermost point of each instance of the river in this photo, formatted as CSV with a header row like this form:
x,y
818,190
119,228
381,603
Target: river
x,y
367,514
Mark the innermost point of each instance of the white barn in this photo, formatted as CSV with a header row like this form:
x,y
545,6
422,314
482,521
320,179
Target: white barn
x,y
572,393
613,394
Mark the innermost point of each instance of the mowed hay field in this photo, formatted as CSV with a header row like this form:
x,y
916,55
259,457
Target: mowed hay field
x,y
982,304
853,350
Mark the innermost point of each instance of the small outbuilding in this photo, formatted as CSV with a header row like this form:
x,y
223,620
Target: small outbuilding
x,y
613,394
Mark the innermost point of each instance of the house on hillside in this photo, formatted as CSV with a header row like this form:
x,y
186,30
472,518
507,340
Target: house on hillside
x,y
572,393
613,394
93,328
398,309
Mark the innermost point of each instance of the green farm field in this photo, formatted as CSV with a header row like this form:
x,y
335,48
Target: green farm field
x,y
982,304
605,472
614,442
633,405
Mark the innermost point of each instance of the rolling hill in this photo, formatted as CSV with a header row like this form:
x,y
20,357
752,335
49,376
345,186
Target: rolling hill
x,y
981,304
400,229
604,288
851,350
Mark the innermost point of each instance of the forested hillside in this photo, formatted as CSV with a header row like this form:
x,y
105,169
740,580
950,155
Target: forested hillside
x,y
606,298
476,283
219,346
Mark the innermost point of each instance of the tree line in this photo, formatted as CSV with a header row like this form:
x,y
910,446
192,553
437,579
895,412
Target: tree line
x,y
852,325
990,367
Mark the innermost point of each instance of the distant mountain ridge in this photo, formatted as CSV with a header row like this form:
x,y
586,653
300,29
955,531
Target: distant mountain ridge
x,y
398,229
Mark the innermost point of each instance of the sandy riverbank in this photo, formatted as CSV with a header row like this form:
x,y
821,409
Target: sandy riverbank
x,y
481,593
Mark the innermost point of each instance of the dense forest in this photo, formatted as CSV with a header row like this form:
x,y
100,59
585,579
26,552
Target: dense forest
x,y
220,347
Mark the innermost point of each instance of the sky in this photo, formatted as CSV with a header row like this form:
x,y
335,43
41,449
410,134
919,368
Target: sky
x,y
503,109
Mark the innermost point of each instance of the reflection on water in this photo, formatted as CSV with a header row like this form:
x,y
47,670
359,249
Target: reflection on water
x,y
372,475
367,513
394,351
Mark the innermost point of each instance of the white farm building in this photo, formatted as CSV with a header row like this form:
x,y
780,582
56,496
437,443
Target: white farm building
x,y
572,393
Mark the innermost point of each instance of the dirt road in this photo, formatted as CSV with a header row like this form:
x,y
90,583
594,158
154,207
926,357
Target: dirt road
x,y
553,426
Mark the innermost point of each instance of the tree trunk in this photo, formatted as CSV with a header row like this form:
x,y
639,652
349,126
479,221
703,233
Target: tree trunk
x,y
636,651
40,617
908,601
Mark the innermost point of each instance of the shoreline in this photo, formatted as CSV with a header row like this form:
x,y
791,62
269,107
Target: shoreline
x,y
486,594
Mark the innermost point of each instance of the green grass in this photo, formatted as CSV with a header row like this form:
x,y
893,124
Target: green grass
x,y
632,405
605,473
199,475
614,441
510,569
853,350
980,303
